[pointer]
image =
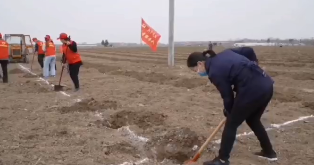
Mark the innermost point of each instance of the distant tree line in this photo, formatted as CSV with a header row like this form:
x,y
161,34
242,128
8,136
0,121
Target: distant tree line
x,y
306,41
105,43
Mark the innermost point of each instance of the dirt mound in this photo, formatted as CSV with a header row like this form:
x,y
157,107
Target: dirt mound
x,y
122,147
175,144
308,105
106,68
285,95
31,87
273,73
152,77
28,75
143,119
191,82
89,105
303,76
15,71
286,64
101,68
135,60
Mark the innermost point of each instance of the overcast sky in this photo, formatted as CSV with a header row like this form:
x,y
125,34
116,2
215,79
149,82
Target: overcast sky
x,y
195,20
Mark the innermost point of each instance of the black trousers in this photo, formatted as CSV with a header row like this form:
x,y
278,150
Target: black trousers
x,y
41,61
251,113
74,70
4,66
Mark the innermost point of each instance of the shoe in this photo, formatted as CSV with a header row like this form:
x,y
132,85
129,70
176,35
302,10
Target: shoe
x,y
217,161
76,89
268,156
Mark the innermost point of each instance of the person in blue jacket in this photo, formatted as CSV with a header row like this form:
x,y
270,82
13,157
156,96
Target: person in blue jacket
x,y
254,92
247,52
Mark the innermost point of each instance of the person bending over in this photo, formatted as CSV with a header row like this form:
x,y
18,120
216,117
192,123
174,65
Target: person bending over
x,y
254,92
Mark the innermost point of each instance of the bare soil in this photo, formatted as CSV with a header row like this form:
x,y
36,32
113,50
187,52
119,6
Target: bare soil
x,y
133,106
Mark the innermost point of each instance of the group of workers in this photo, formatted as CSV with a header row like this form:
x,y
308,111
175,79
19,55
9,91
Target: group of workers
x,y
46,54
237,67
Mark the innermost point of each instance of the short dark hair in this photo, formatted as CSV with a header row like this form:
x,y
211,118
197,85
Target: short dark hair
x,y
199,56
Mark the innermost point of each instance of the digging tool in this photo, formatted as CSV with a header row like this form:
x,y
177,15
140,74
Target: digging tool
x,y
210,138
32,61
59,87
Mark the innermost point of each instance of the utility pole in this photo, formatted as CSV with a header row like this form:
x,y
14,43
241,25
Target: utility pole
x,y
171,34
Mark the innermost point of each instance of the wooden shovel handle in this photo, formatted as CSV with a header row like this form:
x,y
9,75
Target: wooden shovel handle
x,y
210,138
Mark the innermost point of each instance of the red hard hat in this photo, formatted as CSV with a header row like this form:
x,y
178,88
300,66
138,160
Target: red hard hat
x,y
34,39
63,36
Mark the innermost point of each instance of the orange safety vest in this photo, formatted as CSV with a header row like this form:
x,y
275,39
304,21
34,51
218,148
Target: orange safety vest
x,y
50,49
4,50
40,47
71,56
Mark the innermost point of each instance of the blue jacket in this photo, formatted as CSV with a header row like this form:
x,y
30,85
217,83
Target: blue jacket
x,y
228,68
247,52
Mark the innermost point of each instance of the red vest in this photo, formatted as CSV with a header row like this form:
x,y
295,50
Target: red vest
x,y
40,47
50,49
71,56
4,50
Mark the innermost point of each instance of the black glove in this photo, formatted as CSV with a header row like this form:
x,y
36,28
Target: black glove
x,y
226,113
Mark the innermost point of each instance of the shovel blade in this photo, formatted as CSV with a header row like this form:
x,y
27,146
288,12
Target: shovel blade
x,y
193,160
58,88
189,162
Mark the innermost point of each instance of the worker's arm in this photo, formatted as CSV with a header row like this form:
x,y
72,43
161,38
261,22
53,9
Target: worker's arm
x,y
45,46
224,87
36,47
63,60
73,46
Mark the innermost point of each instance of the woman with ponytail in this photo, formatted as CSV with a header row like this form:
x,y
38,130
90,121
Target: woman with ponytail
x,y
72,57
254,92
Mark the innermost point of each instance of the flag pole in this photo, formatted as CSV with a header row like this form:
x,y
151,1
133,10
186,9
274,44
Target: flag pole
x,y
171,34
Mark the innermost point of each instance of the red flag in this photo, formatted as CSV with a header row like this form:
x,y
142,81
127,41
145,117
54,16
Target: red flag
x,y
150,36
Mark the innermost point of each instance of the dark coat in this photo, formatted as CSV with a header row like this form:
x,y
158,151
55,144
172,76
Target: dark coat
x,y
247,52
229,68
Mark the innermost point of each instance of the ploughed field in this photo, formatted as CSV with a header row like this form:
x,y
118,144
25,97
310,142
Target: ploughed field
x,y
133,108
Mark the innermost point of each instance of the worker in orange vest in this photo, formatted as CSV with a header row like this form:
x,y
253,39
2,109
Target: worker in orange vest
x,y
4,58
72,57
50,58
39,51
48,36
